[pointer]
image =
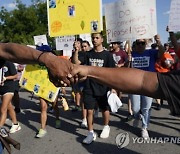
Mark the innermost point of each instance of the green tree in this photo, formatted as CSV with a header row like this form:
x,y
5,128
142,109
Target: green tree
x,y
24,22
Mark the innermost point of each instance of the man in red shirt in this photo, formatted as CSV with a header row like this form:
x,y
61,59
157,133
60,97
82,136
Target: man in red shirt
x,y
120,56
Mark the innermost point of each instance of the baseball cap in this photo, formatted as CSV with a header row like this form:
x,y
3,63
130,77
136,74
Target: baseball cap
x,y
44,48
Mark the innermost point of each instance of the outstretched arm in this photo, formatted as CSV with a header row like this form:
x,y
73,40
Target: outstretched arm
x,y
18,53
129,80
58,68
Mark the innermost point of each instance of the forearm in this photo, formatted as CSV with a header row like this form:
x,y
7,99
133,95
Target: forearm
x,y
11,77
127,80
18,53
75,59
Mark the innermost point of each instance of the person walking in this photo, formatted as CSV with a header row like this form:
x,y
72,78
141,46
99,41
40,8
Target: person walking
x,y
94,92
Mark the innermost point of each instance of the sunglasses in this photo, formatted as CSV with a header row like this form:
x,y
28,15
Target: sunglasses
x,y
140,43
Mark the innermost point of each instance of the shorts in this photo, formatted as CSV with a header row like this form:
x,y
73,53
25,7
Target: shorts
x,y
78,88
91,100
6,89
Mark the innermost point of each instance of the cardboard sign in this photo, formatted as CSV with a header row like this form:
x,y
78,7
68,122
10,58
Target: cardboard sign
x,y
65,42
74,17
174,16
35,79
40,39
130,20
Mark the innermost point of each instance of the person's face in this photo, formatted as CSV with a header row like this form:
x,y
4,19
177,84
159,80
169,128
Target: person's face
x,y
77,45
85,47
140,45
97,40
115,46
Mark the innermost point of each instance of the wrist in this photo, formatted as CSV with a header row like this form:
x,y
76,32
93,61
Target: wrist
x,y
89,71
43,58
46,59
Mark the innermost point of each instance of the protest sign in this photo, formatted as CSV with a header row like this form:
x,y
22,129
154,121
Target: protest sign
x,y
174,16
65,42
130,19
35,79
40,40
74,17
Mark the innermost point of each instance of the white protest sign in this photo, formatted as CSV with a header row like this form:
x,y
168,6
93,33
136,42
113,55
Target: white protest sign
x,y
65,42
130,19
174,16
40,39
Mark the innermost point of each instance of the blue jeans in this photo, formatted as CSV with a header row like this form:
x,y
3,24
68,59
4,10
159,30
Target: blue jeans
x,y
143,104
1,148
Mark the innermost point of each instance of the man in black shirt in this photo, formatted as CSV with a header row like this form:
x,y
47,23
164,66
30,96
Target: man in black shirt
x,y
93,91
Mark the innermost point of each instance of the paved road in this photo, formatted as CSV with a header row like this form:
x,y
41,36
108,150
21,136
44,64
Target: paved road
x,y
67,140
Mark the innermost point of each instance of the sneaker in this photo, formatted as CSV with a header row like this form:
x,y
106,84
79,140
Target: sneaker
x,y
58,124
41,133
84,123
15,128
136,123
90,137
105,132
144,134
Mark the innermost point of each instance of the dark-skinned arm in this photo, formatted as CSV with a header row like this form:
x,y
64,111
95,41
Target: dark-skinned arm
x,y
130,80
58,68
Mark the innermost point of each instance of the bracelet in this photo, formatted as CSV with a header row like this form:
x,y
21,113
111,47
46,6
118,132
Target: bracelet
x,y
40,56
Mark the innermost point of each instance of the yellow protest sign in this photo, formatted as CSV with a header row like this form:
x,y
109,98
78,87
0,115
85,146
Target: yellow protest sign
x,y
35,79
72,17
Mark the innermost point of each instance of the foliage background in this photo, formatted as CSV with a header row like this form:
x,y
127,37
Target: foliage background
x,y
24,22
